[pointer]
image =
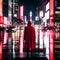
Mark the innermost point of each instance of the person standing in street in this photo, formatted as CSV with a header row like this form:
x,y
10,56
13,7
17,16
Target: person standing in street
x,y
29,36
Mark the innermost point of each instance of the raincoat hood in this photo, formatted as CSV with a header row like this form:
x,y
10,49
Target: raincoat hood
x,y
29,23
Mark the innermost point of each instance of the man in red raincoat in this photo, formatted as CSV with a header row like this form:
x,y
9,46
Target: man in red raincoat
x,y
29,37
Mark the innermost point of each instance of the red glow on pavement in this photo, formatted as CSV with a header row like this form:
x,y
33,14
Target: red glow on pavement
x,y
51,31
0,50
51,45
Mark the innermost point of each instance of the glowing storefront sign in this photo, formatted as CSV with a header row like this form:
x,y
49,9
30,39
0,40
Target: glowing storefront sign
x,y
21,12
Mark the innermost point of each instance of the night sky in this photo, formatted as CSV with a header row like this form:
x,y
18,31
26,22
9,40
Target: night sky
x,y
5,8
30,5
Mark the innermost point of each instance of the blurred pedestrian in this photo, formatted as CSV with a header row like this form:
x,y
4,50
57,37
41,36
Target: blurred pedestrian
x,y
29,36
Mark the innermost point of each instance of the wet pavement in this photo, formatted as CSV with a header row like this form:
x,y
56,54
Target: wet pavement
x,y
9,55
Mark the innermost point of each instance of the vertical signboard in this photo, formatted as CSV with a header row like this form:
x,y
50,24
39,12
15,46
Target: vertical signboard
x,y
20,12
52,13
0,7
51,31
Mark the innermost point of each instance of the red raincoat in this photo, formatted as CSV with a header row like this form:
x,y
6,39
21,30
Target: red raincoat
x,y
29,37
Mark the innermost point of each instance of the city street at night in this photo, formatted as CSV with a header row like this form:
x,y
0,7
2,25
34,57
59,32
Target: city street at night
x,y
30,29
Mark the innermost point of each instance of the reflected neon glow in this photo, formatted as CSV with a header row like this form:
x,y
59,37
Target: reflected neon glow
x,y
41,39
21,41
51,45
46,43
13,45
41,13
0,50
5,37
36,31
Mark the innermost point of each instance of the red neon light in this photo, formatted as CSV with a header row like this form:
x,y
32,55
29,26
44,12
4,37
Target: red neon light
x,y
1,19
51,7
52,13
21,12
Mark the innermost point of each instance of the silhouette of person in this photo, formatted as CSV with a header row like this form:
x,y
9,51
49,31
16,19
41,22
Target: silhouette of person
x,y
29,37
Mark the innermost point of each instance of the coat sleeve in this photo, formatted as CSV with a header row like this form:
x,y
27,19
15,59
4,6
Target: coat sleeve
x,y
25,33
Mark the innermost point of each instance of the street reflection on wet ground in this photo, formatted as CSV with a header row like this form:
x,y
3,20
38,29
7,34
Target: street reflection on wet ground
x,y
9,55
